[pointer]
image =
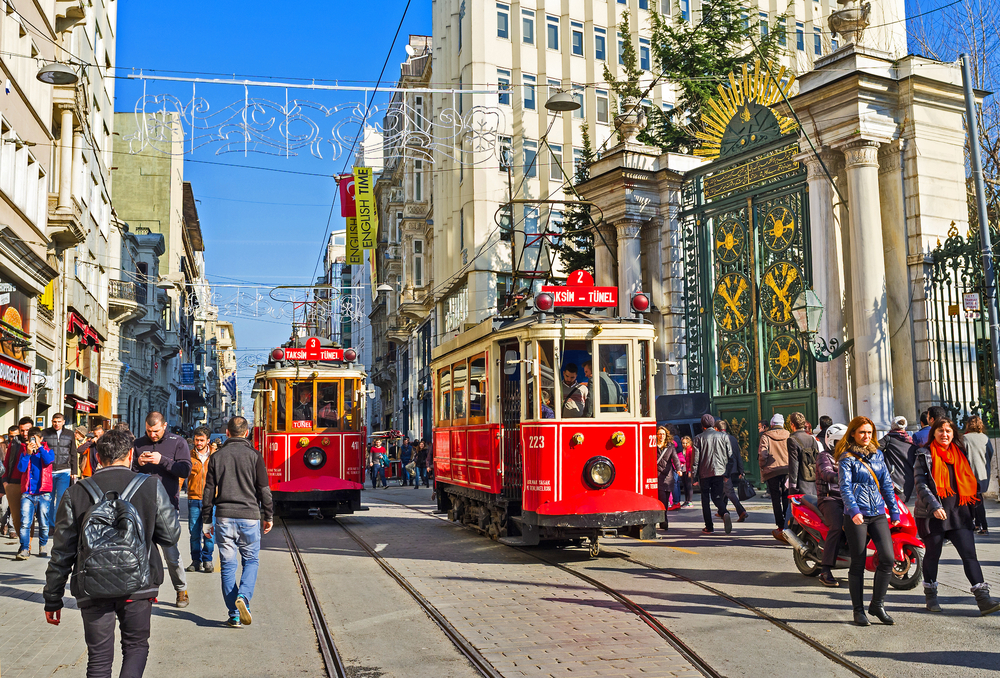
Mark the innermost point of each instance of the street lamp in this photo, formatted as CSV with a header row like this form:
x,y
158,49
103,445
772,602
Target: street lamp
x,y
807,310
57,74
562,102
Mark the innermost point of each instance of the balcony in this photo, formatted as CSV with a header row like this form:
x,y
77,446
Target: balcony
x,y
84,303
65,223
416,304
123,300
81,388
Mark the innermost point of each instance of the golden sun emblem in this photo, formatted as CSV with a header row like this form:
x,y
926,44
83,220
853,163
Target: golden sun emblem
x,y
780,285
729,241
779,229
734,363
784,357
731,302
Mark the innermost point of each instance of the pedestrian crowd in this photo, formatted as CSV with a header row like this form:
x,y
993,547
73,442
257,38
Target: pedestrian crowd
x,y
415,463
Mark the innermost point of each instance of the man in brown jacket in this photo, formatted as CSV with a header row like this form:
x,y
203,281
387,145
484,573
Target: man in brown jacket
x,y
202,546
772,454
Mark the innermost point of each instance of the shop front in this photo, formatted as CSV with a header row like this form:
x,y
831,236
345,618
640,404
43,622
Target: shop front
x,y
83,358
15,340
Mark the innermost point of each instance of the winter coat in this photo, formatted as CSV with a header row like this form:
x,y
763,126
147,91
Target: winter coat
x,y
772,452
175,462
64,447
980,452
735,467
803,453
406,454
928,499
895,447
711,453
196,479
14,448
666,459
827,477
686,457
36,470
862,493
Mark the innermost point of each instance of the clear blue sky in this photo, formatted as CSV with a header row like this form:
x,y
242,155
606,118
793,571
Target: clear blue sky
x,y
262,226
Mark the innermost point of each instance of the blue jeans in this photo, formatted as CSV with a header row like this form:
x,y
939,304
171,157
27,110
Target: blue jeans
x,y
421,476
199,553
408,478
238,537
60,483
29,504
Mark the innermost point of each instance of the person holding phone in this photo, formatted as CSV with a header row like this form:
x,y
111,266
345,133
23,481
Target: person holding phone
x,y
35,466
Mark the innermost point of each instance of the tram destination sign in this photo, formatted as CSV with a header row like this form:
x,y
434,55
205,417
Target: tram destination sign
x,y
319,354
579,296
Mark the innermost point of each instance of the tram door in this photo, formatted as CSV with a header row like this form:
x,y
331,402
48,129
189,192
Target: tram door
x,y
510,418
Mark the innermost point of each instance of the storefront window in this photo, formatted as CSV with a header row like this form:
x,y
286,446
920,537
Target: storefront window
x,y
302,405
576,393
613,377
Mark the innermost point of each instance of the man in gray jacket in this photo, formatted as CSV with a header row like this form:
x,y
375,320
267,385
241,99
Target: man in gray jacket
x,y
711,459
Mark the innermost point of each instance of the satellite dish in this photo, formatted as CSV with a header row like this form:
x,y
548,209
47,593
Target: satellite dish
x,y
411,50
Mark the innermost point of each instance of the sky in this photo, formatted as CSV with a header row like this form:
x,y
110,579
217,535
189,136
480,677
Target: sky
x,y
259,226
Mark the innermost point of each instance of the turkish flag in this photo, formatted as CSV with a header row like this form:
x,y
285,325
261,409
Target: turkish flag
x,y
346,184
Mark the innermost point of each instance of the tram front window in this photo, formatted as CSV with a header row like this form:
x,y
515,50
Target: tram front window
x,y
576,393
327,415
613,377
302,405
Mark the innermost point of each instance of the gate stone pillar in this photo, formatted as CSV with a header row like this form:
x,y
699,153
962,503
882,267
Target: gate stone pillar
x,y
605,255
872,358
827,271
629,264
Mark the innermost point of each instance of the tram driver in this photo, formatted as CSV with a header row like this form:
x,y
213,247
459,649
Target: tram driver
x,y
303,410
576,395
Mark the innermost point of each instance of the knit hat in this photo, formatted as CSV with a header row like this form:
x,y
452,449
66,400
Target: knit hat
x,y
707,421
899,424
778,420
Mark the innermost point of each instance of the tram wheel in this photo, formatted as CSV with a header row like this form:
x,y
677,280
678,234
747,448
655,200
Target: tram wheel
x,y
595,547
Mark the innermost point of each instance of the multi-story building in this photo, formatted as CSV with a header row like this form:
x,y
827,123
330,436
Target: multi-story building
x,y
228,392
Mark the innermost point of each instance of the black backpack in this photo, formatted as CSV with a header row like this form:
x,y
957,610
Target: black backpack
x,y
808,458
112,560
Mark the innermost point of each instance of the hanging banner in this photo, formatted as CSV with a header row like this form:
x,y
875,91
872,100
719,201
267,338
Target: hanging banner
x,y
346,184
353,251
364,201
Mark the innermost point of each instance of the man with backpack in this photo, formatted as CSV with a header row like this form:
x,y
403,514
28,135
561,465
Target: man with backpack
x,y
105,533
803,453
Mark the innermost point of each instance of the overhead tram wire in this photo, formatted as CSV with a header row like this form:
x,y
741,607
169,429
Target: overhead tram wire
x,y
360,134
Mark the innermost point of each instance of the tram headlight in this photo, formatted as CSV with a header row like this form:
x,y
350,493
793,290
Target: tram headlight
x,y
314,458
350,355
599,473
278,354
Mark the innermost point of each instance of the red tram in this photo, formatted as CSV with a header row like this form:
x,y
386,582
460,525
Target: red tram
x,y
544,425
309,425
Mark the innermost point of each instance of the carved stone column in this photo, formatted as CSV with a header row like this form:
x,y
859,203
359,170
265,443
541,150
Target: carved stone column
x,y
605,253
629,233
872,358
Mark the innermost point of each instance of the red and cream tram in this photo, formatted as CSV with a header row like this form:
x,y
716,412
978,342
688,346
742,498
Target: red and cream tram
x,y
309,425
526,447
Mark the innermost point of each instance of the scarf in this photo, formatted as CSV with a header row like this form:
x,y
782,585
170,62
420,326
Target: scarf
x,y
964,478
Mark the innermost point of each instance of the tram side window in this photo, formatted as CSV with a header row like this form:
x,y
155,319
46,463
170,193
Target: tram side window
x,y
576,393
350,419
644,379
459,385
546,380
478,389
302,405
444,396
279,392
328,398
529,376
260,400
613,377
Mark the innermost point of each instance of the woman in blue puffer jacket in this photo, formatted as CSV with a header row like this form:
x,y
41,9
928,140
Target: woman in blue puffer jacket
x,y
867,491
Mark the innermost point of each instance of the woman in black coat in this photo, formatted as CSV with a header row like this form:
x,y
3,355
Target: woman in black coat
x,y
667,464
946,490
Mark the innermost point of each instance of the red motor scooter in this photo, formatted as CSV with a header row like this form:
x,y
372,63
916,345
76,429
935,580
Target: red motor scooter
x,y
807,535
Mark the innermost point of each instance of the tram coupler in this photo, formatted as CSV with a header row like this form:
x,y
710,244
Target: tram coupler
x,y
315,514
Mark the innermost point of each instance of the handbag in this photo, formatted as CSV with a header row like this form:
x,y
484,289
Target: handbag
x,y
745,490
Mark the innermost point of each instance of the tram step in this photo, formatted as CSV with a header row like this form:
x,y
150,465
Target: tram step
x,y
516,541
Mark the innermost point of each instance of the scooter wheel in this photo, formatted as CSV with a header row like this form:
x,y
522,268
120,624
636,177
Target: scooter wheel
x,y
906,573
807,565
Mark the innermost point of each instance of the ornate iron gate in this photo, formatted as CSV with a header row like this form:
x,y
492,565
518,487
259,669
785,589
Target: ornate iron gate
x,y
961,359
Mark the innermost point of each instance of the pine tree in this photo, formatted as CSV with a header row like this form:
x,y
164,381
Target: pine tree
x,y
576,248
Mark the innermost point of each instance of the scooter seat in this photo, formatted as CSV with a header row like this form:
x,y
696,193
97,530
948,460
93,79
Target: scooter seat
x,y
810,501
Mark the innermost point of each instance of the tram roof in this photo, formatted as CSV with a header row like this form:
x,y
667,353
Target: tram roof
x,y
574,324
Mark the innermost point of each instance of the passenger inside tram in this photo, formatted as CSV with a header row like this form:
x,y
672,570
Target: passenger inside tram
x,y
327,416
546,401
575,393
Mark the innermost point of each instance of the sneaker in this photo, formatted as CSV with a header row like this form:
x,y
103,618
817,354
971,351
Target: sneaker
x,y
43,552
244,607
193,567
22,555
727,522
182,599
674,507
827,579
208,567
234,623
707,530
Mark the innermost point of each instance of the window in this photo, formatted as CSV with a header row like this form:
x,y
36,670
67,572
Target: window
x,y
503,87
644,378
280,396
577,159
643,4
530,224
817,41
505,218
644,54
552,32
602,106
611,377
600,44
418,263
800,36
506,153
328,405
504,281
556,226
576,46
418,108
546,382
444,396
302,405
530,153
621,50
553,85
834,44
576,398
529,92
578,98
398,236
478,391
503,21
685,9
668,106
555,167
528,26
459,374
763,24
418,180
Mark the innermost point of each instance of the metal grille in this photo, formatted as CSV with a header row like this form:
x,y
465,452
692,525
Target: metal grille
x,y
510,422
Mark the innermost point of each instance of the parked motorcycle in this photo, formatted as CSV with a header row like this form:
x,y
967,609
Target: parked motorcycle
x,y
807,535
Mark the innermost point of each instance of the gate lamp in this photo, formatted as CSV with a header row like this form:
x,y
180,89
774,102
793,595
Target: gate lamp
x,y
807,310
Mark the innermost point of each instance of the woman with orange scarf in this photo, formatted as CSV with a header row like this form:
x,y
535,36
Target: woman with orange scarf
x,y
946,495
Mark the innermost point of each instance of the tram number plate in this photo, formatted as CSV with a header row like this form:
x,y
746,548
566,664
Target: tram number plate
x,y
583,297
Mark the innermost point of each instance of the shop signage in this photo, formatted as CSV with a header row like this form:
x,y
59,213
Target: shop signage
x,y
187,373
364,202
353,251
14,329
14,377
83,407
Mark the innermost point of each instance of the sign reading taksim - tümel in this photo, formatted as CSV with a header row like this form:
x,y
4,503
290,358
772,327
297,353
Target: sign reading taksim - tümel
x,y
364,202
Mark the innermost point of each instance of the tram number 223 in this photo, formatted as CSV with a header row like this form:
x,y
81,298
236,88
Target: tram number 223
x,y
536,442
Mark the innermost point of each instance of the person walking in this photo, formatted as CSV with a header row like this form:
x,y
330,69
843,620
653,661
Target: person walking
x,y
947,490
825,423
711,461
66,467
896,446
667,466
405,457
685,488
772,454
831,504
866,488
236,486
980,451
422,458
133,609
168,457
379,461
803,452
202,547
5,522
734,472
35,465
12,477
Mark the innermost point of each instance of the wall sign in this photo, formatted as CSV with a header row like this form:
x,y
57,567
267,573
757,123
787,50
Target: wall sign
x,y
14,377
